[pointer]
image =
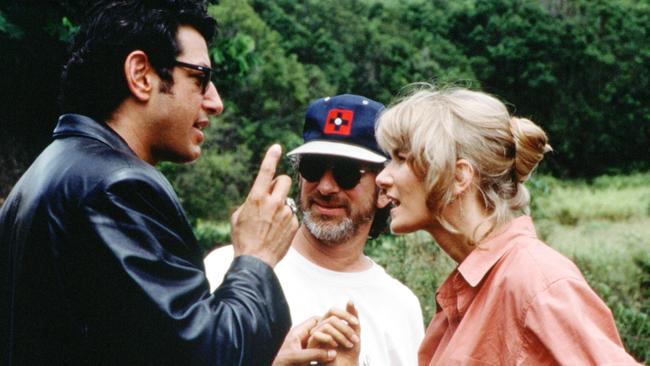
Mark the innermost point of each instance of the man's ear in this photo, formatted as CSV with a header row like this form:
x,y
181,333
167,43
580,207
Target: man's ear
x,y
138,74
463,177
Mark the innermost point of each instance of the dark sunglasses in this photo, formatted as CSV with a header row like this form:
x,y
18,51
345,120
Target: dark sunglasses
x,y
206,73
346,172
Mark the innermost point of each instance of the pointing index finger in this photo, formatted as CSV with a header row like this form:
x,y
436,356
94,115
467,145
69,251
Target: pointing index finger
x,y
265,175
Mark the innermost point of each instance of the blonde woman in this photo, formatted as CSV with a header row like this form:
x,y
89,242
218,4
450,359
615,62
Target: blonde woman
x,y
459,163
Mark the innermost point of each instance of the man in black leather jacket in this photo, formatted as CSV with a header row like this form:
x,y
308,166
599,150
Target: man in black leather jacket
x,y
98,264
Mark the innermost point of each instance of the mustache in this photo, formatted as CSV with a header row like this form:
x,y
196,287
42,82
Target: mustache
x,y
332,200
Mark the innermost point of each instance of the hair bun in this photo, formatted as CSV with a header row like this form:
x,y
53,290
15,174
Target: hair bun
x,y
531,143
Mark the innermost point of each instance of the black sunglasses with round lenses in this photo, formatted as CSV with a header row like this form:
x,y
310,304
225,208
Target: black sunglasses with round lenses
x,y
346,172
206,73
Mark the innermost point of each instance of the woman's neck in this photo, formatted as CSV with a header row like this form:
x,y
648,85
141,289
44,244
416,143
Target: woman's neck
x,y
468,216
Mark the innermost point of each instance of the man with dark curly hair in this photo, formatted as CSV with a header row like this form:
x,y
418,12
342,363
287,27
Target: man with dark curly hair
x,y
98,263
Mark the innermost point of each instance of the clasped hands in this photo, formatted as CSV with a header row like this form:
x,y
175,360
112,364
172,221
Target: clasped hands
x,y
332,339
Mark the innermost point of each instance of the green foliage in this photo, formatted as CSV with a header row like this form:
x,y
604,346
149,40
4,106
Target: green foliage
x,y
63,31
241,49
579,69
368,48
212,186
643,263
11,30
269,95
210,234
636,324
629,307
606,198
416,261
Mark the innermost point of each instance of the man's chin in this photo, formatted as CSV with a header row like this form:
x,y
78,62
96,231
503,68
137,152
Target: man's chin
x,y
329,230
186,157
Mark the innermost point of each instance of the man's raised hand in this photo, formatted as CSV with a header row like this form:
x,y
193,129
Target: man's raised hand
x,y
263,226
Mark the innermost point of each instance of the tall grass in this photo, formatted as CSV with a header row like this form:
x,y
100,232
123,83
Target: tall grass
x,y
603,225
611,198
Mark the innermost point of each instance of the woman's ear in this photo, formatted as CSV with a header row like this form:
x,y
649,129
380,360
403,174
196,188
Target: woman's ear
x,y
464,177
138,75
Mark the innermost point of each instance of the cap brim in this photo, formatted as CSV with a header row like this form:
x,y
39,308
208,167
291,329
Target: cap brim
x,y
338,149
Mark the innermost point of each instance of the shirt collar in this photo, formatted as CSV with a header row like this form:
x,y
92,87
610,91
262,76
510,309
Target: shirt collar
x,y
491,249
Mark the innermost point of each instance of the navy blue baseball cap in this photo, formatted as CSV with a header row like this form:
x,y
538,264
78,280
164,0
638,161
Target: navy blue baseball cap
x,y
343,125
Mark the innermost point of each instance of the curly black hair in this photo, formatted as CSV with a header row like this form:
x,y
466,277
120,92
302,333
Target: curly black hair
x,y
92,82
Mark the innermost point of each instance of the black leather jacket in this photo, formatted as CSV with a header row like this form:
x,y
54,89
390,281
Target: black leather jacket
x,y
98,265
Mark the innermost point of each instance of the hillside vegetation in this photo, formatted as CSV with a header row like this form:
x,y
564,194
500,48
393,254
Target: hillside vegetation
x,y
579,68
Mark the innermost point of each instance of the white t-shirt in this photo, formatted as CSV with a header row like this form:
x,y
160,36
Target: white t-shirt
x,y
391,318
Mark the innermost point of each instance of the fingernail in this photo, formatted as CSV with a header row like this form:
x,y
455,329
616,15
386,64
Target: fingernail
x,y
331,354
354,320
355,339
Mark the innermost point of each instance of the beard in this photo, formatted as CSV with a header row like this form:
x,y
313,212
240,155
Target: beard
x,y
335,230
329,231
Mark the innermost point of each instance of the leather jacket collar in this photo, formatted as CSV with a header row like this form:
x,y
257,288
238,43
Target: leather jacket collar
x,y
79,125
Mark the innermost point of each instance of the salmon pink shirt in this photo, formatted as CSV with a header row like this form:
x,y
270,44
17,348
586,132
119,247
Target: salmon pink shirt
x,y
516,301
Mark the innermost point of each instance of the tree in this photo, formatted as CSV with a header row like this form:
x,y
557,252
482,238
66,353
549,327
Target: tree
x,y
579,69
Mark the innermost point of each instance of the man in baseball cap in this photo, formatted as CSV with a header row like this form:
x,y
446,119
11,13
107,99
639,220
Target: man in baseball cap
x,y
326,267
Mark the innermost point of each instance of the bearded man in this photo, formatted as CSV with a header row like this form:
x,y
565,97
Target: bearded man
x,y
326,267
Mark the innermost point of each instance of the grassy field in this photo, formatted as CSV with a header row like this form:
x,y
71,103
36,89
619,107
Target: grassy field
x,y
602,225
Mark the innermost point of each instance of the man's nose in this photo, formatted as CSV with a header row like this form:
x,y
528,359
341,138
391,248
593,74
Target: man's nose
x,y
327,184
212,102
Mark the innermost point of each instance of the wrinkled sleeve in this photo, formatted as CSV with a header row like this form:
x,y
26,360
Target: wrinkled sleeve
x,y
569,323
147,255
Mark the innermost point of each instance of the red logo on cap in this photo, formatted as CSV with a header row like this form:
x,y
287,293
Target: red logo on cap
x,y
339,122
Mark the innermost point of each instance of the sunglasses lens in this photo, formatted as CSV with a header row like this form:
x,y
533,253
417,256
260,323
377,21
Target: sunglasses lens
x,y
311,170
346,174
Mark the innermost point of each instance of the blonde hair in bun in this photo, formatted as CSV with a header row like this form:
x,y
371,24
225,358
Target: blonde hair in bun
x,y
531,144
436,127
